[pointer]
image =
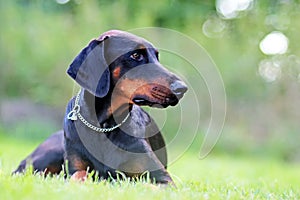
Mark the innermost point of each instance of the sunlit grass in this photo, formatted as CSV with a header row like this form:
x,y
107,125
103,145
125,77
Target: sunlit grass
x,y
216,177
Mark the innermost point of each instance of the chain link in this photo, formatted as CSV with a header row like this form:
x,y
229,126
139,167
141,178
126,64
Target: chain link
x,y
75,112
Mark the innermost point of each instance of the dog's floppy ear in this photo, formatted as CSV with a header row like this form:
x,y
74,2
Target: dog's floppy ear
x,y
90,70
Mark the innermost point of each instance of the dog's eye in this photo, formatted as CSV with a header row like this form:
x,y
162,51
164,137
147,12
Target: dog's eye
x,y
137,56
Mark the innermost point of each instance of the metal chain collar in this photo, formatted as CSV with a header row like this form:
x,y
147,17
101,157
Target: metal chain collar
x,y
74,114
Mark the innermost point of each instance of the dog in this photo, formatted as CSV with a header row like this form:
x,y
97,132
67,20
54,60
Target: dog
x,y
105,129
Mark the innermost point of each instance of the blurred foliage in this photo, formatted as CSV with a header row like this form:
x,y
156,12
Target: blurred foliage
x,y
40,38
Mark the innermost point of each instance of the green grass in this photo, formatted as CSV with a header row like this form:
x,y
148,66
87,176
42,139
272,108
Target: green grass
x,y
216,177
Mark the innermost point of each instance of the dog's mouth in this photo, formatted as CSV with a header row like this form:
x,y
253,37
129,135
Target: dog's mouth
x,y
152,102
155,96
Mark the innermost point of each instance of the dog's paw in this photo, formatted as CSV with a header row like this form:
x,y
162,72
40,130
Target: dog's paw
x,y
79,176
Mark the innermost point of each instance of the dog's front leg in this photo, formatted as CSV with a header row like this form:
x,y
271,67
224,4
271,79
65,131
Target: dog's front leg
x,y
136,164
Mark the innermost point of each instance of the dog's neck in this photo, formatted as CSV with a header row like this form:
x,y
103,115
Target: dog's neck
x,y
105,111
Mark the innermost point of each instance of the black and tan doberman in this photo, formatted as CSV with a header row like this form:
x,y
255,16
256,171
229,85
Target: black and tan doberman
x,y
105,129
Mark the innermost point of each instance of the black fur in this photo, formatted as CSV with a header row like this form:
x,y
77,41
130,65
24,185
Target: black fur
x,y
137,146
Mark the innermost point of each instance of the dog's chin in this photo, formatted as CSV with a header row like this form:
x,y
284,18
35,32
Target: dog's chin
x,y
153,102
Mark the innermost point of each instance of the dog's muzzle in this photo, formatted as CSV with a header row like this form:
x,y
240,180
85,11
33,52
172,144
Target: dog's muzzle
x,y
156,95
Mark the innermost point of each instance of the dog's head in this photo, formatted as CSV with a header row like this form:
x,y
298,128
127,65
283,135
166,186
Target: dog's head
x,y
128,67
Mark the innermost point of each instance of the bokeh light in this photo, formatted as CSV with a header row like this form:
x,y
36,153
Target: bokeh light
x,y
270,70
62,1
274,43
230,9
214,27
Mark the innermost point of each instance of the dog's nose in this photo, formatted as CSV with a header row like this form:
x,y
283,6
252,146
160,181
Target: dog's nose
x,y
178,88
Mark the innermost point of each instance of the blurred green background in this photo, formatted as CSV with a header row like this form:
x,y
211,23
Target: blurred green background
x,y
39,38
